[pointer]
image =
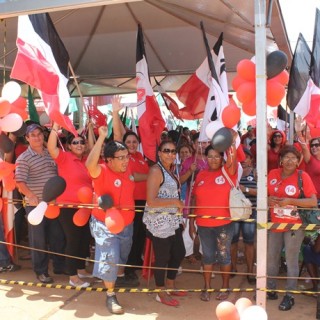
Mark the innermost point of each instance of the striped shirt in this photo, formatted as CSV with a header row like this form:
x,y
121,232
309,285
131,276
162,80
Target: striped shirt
x,y
35,170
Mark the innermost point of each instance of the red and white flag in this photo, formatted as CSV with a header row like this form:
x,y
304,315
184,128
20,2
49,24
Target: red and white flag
x,y
151,123
42,62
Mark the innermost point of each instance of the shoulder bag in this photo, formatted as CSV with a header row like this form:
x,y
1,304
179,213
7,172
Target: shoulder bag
x,y
307,215
240,206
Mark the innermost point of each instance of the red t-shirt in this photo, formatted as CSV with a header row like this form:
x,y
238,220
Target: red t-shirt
x,y
75,173
119,185
212,189
313,169
139,165
287,188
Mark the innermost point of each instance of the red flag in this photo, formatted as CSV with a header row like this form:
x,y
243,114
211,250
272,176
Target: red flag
x,y
151,123
194,92
42,62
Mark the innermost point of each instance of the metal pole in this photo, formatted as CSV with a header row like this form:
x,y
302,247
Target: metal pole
x,y
262,215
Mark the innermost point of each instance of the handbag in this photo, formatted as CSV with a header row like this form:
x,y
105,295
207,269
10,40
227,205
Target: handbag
x,y
307,215
240,206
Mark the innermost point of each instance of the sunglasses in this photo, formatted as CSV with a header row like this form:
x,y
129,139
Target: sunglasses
x,y
214,157
127,157
75,142
167,151
277,136
316,145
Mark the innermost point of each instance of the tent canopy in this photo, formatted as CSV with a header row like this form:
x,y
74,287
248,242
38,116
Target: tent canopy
x,y
101,39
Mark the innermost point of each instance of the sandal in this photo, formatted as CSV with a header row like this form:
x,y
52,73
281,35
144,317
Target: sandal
x,y
205,296
222,296
167,300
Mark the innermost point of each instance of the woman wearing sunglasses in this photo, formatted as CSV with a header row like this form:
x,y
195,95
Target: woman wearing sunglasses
x,y
277,141
210,197
71,167
165,230
311,154
284,196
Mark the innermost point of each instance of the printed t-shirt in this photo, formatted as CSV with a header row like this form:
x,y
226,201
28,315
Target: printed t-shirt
x,y
120,186
139,165
75,173
212,189
287,188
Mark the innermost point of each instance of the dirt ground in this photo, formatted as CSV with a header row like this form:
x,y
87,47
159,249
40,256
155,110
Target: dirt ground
x,y
28,302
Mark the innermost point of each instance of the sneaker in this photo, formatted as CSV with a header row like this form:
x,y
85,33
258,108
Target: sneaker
x,y
44,278
113,305
126,282
287,303
80,284
10,268
272,295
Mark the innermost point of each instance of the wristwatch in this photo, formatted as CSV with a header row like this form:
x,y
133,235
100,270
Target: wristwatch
x,y
247,190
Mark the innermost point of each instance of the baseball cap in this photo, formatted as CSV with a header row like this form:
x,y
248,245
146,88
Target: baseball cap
x,y
247,151
33,127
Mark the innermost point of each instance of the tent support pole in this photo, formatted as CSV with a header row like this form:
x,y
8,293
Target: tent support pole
x,y
262,197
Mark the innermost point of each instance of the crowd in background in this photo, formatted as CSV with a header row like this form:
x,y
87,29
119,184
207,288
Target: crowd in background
x,y
155,199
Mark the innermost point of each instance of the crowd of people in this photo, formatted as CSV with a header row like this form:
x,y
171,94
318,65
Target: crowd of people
x,y
155,200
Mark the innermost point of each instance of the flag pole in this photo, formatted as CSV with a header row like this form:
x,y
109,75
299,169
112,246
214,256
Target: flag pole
x,y
84,108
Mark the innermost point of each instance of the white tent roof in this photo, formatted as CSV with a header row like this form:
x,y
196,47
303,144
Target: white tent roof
x,y
101,39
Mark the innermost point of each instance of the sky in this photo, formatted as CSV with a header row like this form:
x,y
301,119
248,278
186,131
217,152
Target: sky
x,y
299,16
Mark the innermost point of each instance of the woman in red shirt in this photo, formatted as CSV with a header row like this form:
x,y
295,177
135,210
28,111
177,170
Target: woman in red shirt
x,y
215,235
284,196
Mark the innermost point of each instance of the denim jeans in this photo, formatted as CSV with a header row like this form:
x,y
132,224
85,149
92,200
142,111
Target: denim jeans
x,y
111,249
4,254
49,236
216,244
291,241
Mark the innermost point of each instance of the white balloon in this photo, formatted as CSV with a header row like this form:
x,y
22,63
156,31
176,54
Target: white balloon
x,y
36,215
11,122
254,313
11,91
212,127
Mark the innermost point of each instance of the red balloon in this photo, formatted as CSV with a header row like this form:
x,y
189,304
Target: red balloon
x,y
21,112
81,217
6,168
227,311
85,195
128,216
5,107
250,108
20,103
9,182
247,70
237,81
52,212
282,78
246,92
275,93
114,220
230,116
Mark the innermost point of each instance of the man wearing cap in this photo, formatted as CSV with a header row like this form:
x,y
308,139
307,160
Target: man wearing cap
x,y
34,168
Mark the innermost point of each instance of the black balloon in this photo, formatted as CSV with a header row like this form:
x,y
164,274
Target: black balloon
x,y
105,201
276,63
222,139
53,188
21,132
6,145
